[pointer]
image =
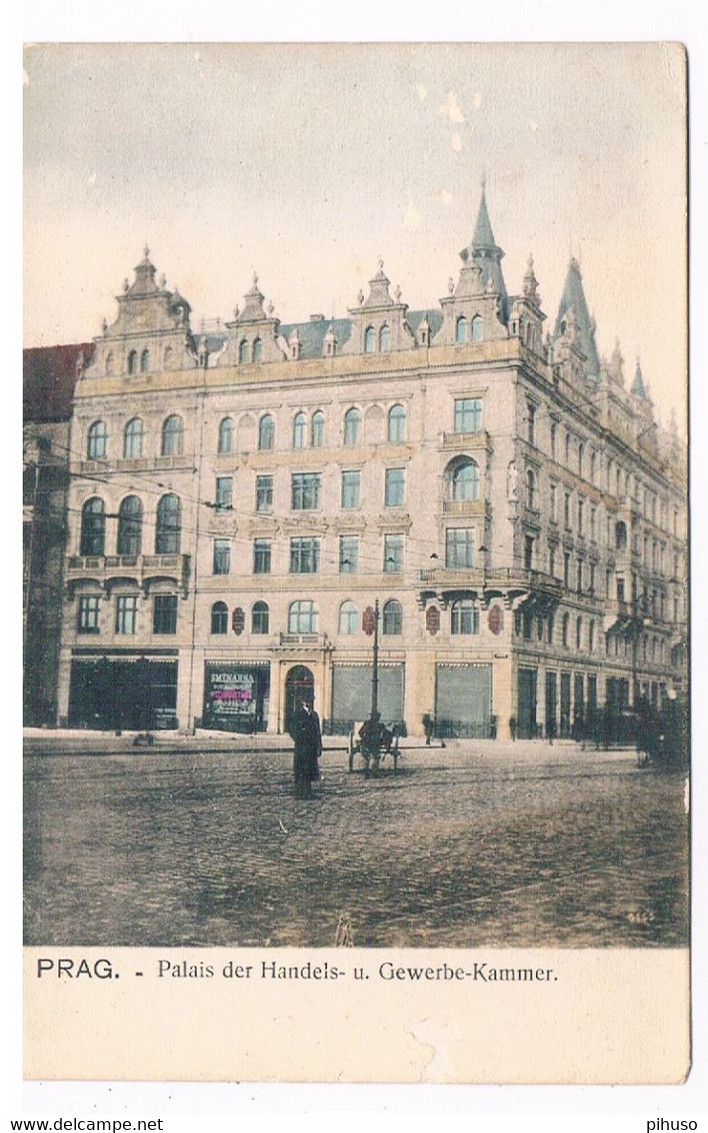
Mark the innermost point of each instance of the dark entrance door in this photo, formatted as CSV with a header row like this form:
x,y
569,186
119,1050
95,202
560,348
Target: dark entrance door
x,y
527,704
299,688
551,705
565,706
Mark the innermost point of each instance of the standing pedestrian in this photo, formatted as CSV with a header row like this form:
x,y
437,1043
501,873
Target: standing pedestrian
x,y
307,734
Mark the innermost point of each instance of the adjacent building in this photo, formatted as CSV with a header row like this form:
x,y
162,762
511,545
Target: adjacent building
x,y
238,498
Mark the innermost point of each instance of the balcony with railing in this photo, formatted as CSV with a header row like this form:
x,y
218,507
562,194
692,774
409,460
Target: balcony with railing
x,y
459,442
306,640
508,583
141,569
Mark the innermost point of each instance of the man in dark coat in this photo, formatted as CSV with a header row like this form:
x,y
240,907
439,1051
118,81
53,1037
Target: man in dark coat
x,y
305,731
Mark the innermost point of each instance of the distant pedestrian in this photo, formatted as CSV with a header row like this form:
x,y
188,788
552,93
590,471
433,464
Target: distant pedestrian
x,y
551,729
307,734
429,728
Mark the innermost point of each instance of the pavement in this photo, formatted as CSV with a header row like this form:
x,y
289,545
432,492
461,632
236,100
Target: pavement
x,y
200,840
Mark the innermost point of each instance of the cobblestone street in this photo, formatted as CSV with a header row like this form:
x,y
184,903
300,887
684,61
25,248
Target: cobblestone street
x,y
202,842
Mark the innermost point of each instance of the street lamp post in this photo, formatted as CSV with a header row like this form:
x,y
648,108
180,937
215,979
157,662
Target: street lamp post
x,y
373,740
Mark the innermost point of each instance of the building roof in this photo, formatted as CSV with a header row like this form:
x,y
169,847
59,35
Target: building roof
x,y
573,297
49,376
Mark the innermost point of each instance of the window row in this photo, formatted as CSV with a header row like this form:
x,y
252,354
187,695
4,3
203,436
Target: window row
x,y
462,482
572,633
306,432
164,614
171,438
303,617
168,526
139,361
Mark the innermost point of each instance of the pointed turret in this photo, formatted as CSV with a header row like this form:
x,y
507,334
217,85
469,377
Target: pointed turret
x,y
573,298
484,251
638,387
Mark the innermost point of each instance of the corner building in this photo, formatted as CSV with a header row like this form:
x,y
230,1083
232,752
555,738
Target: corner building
x,y
239,497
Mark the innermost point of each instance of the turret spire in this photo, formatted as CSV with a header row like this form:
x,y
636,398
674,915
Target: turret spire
x,y
484,251
573,298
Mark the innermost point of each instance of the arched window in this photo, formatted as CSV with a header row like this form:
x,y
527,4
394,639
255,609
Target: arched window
x,y
299,430
169,525
167,358
219,617
243,351
461,331
477,328
226,435
97,441
133,439
144,361
348,617
132,361
579,633
369,340
396,425
464,480
565,628
266,432
464,617
302,617
260,618
109,362
530,489
384,338
392,618
93,528
172,435
130,523
317,433
352,418
257,352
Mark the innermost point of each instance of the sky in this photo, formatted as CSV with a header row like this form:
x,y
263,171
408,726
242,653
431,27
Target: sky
x,y
307,163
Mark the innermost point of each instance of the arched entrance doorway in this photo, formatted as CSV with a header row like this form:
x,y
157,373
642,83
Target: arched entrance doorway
x,y
299,688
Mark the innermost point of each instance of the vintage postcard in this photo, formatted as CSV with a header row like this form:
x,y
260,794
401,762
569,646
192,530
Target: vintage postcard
x,y
355,563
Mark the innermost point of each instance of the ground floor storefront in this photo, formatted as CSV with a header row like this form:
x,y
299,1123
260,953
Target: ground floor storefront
x,y
482,696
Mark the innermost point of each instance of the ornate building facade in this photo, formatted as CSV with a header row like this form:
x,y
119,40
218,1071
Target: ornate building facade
x,y
239,498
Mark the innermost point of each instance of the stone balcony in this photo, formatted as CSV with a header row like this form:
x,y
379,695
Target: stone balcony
x,y
466,508
460,442
512,584
143,570
304,640
132,464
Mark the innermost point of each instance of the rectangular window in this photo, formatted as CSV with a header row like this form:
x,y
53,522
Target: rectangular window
x,y
566,570
592,578
224,491
566,511
395,487
393,553
264,493
351,489
459,547
304,556
580,576
127,613
581,509
261,556
222,556
554,439
305,491
593,523
552,561
528,552
530,422
89,606
348,554
554,503
164,614
468,414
